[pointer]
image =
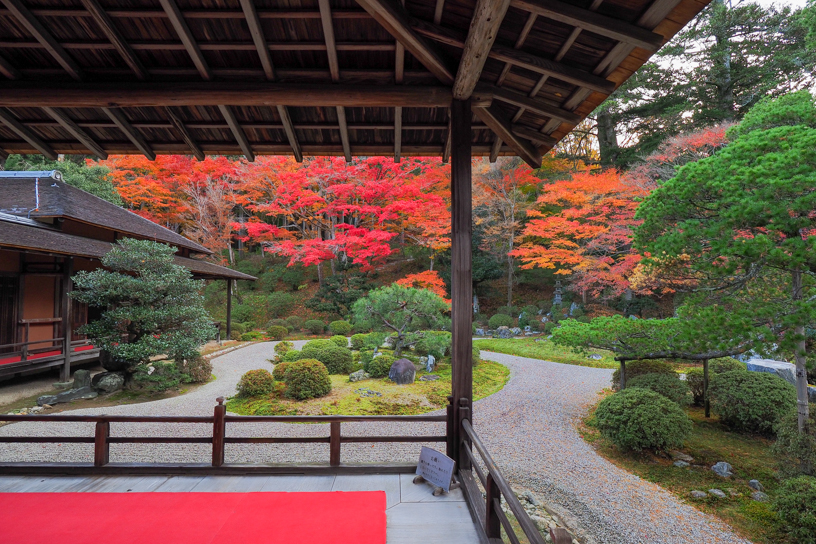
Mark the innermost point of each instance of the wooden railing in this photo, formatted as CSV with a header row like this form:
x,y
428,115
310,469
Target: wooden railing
x,y
102,440
489,512
26,352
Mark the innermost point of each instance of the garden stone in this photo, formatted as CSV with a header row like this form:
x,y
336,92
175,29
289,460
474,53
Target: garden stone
x,y
480,332
430,364
359,375
528,328
755,485
699,494
722,469
429,378
572,308
529,497
367,392
681,464
110,364
108,382
786,371
717,493
82,378
812,393
595,357
503,332
516,331
680,456
402,372
760,496
67,396
633,317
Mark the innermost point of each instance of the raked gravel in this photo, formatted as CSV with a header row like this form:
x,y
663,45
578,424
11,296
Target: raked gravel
x,y
529,428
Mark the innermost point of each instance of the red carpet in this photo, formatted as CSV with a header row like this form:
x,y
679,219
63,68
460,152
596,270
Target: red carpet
x,y
32,357
193,518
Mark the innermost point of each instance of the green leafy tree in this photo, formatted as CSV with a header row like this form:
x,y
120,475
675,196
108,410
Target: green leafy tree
x,y
339,292
404,311
151,305
744,218
91,178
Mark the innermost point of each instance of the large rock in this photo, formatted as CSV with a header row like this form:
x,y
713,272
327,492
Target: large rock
x,y
516,331
717,493
786,371
430,363
812,393
402,372
68,396
722,469
108,382
82,378
503,332
480,332
755,485
359,376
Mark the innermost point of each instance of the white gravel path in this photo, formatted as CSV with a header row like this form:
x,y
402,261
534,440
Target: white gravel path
x,y
529,428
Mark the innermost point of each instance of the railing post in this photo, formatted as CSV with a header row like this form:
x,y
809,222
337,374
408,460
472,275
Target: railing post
x,y
449,430
559,535
463,461
101,444
219,432
492,501
334,444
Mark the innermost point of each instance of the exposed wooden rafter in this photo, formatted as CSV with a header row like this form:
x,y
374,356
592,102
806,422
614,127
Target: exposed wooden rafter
x,y
344,134
483,92
397,22
258,38
397,133
440,6
186,36
26,134
196,150
78,133
334,70
8,70
28,20
484,27
237,132
533,135
130,131
115,37
497,122
290,133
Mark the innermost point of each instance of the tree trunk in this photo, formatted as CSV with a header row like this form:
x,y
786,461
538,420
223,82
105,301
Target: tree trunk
x,y
725,87
509,281
801,359
607,138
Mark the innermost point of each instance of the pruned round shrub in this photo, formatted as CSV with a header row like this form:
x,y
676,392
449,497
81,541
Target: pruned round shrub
x,y
279,372
236,335
500,320
314,326
338,360
256,383
796,451
636,368
576,313
530,310
379,367
550,326
340,327
358,341
295,321
252,336
725,364
508,310
291,355
583,319
668,385
638,419
795,504
277,332
340,340
283,346
751,402
197,368
240,327
366,355
307,379
695,378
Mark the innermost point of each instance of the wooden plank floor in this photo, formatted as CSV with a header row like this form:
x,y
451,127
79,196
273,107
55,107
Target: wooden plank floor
x,y
414,514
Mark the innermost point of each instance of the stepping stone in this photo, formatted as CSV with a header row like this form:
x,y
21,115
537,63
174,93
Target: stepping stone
x,y
699,494
717,493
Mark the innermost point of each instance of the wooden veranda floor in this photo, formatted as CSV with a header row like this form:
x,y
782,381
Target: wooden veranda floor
x,y
414,514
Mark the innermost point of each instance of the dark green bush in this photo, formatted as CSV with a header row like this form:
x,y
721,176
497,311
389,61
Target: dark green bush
x,y
256,383
796,451
726,364
530,310
283,346
279,372
583,319
340,340
751,402
338,360
307,379
361,327
638,419
291,355
358,341
277,332
421,348
668,385
636,368
240,327
795,504
279,304
549,327
379,367
576,313
365,356
252,336
315,326
340,327
695,381
165,375
235,335
500,320
198,369
295,321
512,311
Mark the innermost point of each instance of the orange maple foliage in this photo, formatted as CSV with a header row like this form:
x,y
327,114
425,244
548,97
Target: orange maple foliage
x,y
428,279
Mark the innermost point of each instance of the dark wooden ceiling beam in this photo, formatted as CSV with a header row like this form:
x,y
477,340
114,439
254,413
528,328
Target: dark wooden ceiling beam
x,y
533,135
198,13
438,10
237,132
180,25
3,157
334,70
397,22
42,35
397,134
222,125
483,91
497,122
208,46
26,134
119,120
609,27
289,129
258,38
484,27
117,40
344,132
83,137
248,93
8,70
188,138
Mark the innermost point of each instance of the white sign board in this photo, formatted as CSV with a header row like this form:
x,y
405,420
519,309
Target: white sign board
x,y
435,467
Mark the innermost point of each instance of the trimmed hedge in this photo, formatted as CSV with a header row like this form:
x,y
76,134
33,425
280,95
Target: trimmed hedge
x,y
340,340
340,327
379,367
500,320
279,372
638,419
796,451
256,383
668,385
283,346
252,336
795,504
291,356
636,368
752,402
277,332
726,364
315,326
307,379
338,360
358,341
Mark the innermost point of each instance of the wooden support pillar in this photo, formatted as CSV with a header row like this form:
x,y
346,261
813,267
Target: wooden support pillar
x,y
67,317
219,432
492,506
229,309
462,287
334,443
705,389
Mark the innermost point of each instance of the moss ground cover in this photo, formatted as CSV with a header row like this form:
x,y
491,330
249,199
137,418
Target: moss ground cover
x,y
546,350
416,398
709,443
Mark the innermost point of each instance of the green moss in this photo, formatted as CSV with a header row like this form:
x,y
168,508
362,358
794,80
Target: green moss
x,y
545,350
